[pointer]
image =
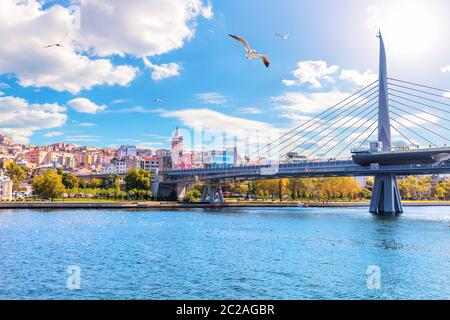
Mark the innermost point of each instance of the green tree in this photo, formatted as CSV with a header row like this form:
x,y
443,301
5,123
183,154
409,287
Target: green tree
x,y
70,181
138,180
96,183
17,175
48,185
193,195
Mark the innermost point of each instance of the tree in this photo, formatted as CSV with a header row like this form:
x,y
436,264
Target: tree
x,y
138,180
96,183
111,182
48,185
70,181
17,175
193,195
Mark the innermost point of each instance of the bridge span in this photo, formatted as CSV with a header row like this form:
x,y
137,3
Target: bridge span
x,y
417,110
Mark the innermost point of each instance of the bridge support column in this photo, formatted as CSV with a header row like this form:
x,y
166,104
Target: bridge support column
x,y
204,192
386,198
212,194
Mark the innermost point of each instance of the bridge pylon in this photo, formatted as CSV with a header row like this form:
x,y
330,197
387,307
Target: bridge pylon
x,y
386,198
212,194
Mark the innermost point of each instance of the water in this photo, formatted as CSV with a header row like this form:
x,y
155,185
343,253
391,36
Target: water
x,y
274,253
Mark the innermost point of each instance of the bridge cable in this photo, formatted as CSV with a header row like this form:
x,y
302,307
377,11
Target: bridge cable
x,y
400,124
404,136
373,115
416,96
353,132
415,123
354,140
419,85
417,102
365,140
421,110
316,120
320,114
417,90
304,135
340,126
421,118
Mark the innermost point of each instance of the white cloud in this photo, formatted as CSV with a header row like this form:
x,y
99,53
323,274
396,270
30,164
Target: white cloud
x,y
83,124
417,120
4,85
2,93
250,111
139,28
53,134
20,119
305,103
360,79
207,11
84,105
163,71
312,73
60,68
82,138
212,120
214,98
446,94
446,68
289,83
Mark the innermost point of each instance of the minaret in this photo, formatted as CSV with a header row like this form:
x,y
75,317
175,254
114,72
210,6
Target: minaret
x,y
384,123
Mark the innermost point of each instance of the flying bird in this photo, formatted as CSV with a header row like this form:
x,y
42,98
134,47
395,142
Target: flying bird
x,y
250,52
284,37
58,44
158,100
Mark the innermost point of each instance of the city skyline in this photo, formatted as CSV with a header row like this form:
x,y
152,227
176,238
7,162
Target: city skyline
x,y
137,87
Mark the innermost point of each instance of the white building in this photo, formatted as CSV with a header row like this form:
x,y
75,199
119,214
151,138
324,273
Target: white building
x,y
5,187
119,167
127,151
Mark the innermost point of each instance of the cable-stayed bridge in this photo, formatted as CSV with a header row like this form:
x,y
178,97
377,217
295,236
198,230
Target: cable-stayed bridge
x,y
384,111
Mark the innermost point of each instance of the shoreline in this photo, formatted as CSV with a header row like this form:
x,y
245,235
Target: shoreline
x,y
177,205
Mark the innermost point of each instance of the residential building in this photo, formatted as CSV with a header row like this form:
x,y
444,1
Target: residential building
x,y
127,152
5,187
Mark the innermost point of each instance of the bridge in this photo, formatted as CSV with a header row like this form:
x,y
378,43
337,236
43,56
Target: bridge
x,y
413,111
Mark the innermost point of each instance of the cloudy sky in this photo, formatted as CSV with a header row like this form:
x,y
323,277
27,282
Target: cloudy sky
x,y
129,72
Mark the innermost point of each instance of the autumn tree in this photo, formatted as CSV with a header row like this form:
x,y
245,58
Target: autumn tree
x,y
17,175
48,185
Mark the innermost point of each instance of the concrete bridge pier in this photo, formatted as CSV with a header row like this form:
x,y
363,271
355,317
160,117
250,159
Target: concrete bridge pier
x,y
386,198
212,194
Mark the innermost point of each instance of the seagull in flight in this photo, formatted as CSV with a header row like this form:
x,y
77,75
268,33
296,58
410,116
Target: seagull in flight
x,y
250,52
59,44
158,100
284,37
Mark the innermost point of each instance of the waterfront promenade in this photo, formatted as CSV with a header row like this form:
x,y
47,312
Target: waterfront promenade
x,y
181,205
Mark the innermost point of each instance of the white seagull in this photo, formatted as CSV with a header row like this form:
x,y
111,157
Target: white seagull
x,y
251,53
59,44
158,100
284,37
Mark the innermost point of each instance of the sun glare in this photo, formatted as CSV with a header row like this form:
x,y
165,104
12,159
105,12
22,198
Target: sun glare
x,y
410,27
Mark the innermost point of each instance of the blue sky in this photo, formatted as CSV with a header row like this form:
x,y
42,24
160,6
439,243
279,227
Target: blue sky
x,y
210,81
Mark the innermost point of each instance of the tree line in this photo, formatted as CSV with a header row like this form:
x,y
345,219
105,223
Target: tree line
x,y
56,184
330,189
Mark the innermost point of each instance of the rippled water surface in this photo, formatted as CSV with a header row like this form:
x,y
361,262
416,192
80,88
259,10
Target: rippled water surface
x,y
271,253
